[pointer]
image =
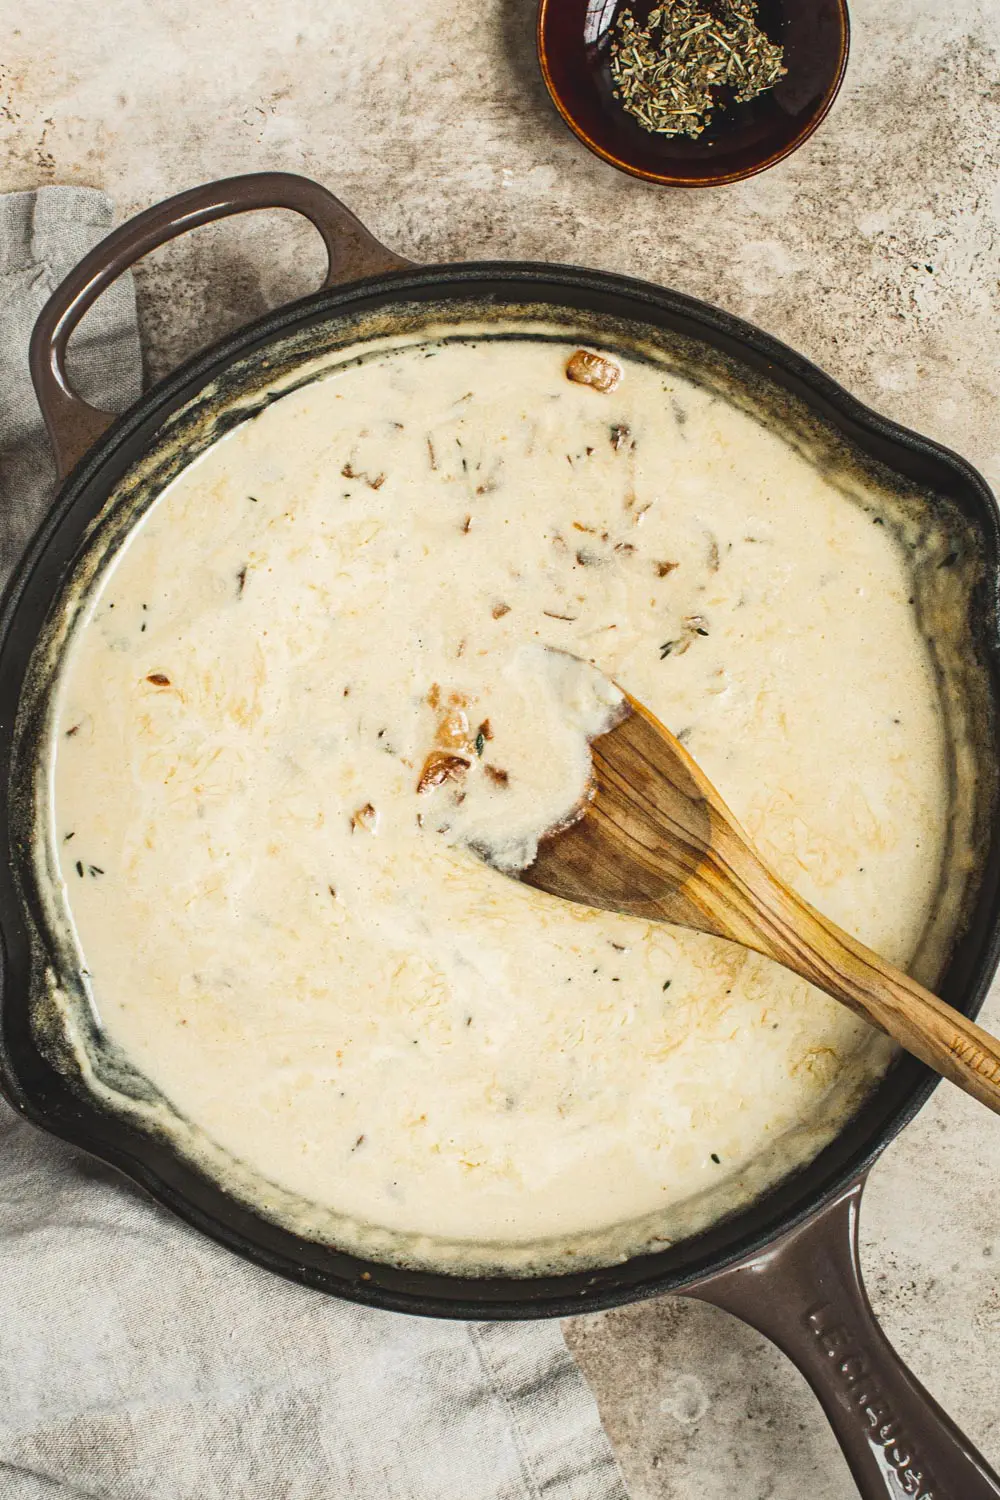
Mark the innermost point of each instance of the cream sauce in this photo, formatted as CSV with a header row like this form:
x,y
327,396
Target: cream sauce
x,y
289,938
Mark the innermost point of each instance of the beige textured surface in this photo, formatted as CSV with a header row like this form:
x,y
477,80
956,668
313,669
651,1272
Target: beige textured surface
x,y
874,250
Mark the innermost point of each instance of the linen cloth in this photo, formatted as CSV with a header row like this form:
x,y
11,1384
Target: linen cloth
x,y
138,1361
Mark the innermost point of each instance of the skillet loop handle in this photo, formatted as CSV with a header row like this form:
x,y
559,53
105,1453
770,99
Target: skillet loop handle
x,y
805,1294
72,424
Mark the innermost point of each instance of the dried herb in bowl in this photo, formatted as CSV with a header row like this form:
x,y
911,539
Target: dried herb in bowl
x,y
668,75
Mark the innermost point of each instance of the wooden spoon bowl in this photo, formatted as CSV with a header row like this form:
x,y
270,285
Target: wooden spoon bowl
x,y
574,38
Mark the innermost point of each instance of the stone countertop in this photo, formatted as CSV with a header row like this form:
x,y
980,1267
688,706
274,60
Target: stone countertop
x,y
873,250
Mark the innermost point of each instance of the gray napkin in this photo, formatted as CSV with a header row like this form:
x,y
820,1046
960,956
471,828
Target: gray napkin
x,y
137,1360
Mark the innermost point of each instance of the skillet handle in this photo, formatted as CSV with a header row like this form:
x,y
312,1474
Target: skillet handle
x,y
806,1295
72,424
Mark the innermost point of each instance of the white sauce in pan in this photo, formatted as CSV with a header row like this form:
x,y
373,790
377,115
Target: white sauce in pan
x,y
293,943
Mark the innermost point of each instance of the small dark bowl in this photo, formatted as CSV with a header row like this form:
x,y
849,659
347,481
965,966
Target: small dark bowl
x,y
574,39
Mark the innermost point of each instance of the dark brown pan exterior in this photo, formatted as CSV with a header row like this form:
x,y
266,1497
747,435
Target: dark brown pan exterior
x,y
788,1263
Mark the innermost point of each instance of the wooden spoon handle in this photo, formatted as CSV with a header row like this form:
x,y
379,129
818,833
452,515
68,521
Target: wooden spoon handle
x,y
811,945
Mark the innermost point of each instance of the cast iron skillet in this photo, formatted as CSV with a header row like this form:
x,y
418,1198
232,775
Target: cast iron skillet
x,y
789,1263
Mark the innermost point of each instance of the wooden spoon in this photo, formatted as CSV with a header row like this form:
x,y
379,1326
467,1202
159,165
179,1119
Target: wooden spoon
x,y
657,841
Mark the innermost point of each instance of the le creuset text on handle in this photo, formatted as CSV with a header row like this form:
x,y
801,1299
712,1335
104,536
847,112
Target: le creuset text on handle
x,y
805,1293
